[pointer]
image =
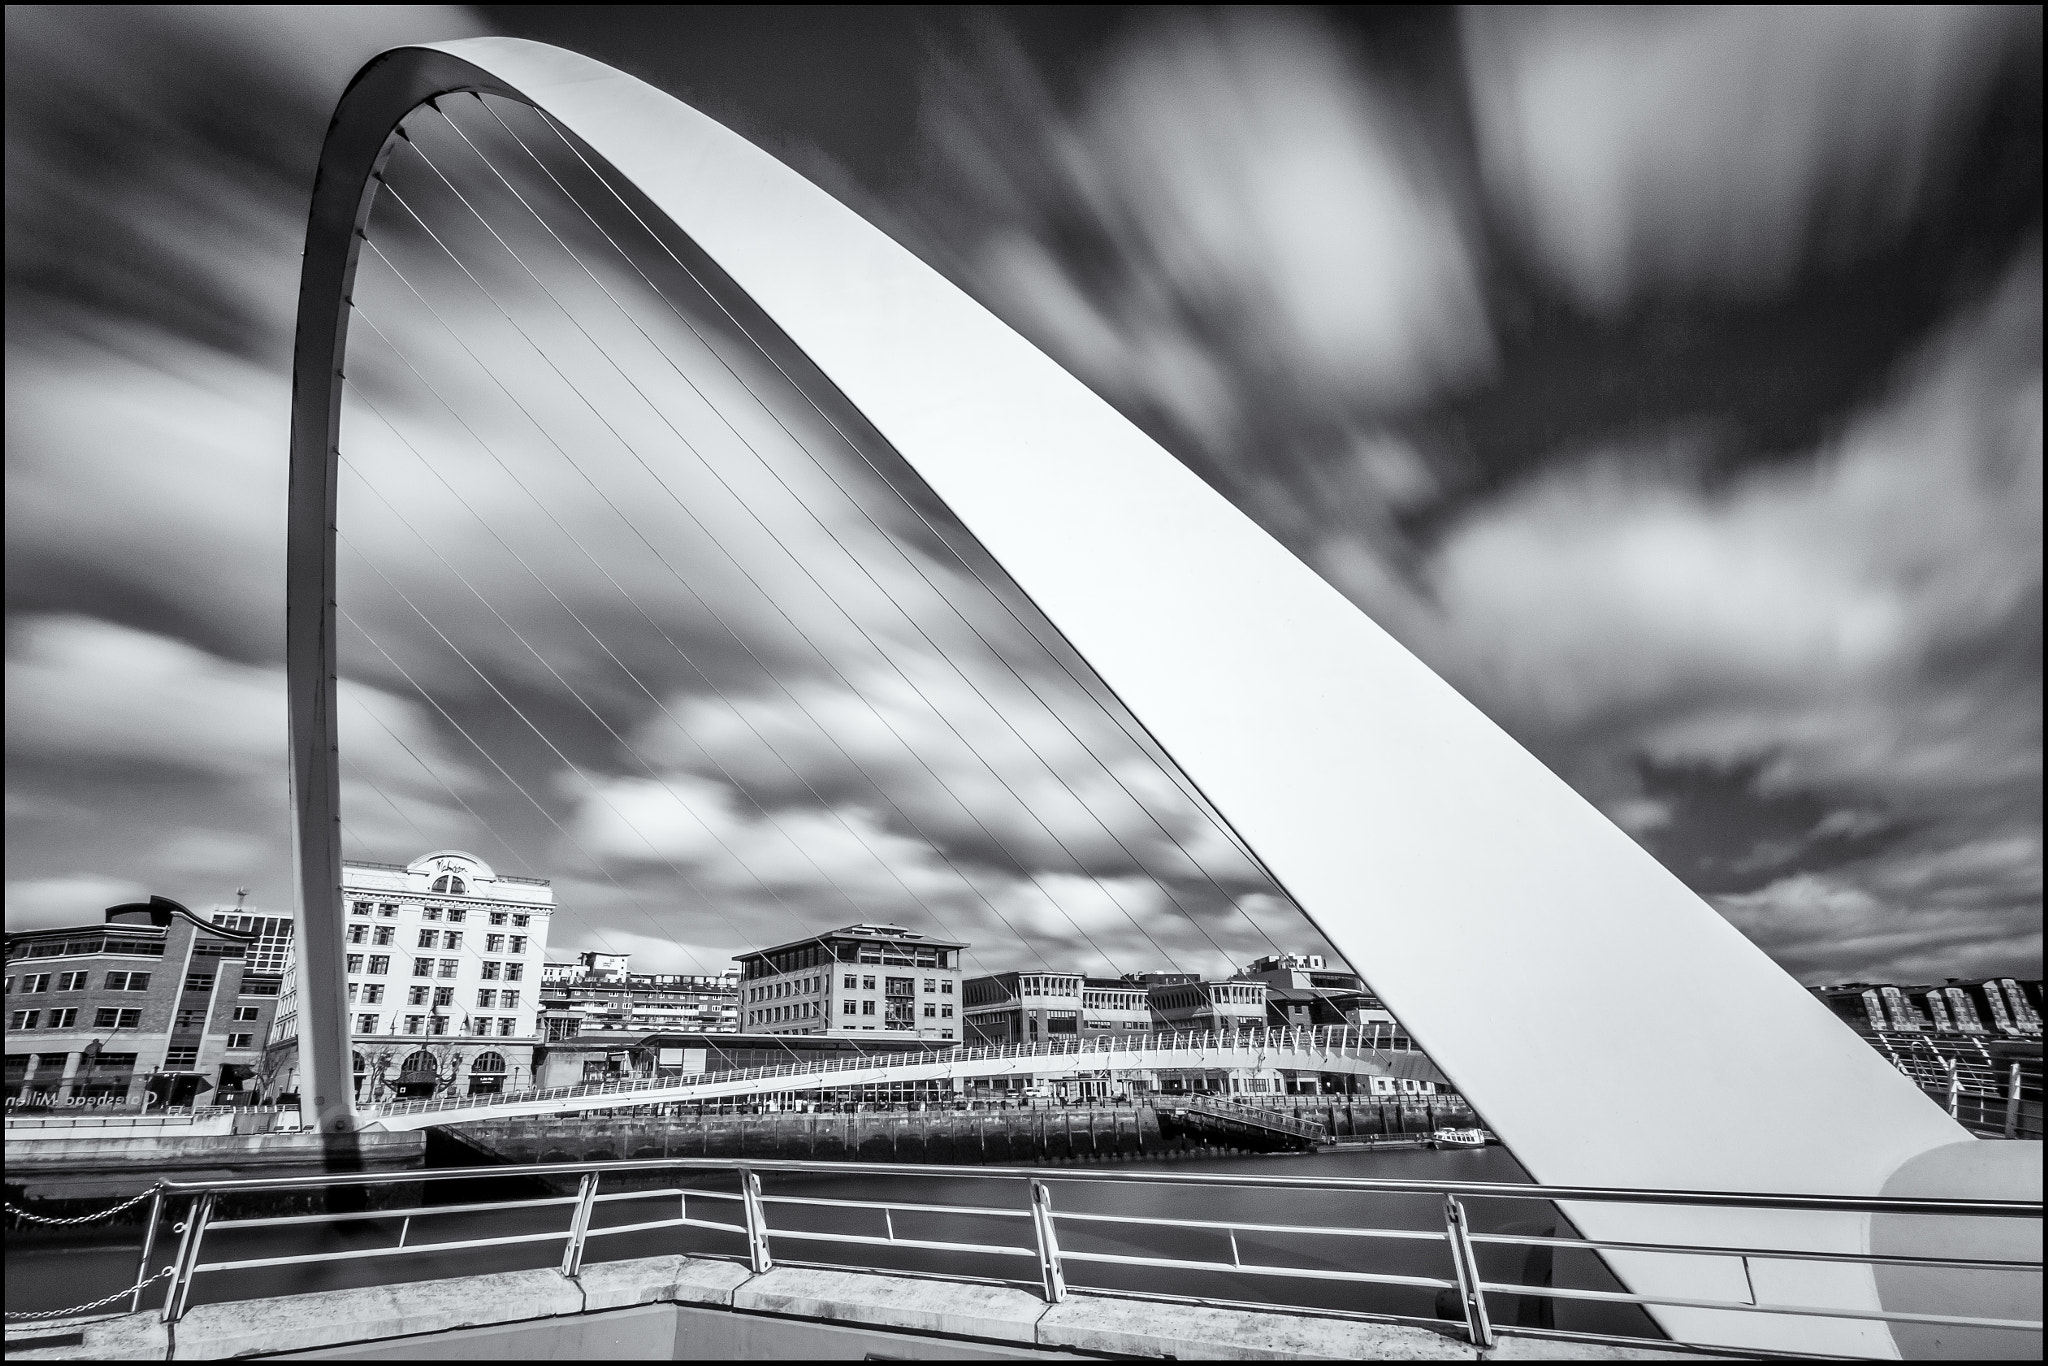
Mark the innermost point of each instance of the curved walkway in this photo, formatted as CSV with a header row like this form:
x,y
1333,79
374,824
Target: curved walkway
x,y
1348,1050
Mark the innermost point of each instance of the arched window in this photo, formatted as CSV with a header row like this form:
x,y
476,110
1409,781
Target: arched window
x,y
419,1060
450,884
487,1062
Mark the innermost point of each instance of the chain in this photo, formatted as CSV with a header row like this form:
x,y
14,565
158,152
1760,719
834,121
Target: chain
x,y
104,1299
82,1218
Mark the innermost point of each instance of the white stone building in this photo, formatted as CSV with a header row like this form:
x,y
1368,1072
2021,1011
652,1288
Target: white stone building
x,y
443,973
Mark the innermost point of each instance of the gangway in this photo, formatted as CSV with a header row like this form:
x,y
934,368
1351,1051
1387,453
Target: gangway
x,y
1344,1050
1208,1112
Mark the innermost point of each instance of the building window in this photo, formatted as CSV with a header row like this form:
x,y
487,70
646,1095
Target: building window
x,y
358,908
444,996
519,943
380,963
439,1024
358,933
449,884
931,1011
431,913
848,1009
456,915
244,1014
520,921
71,981
515,972
373,994
507,1027
430,939
946,1012
366,1024
63,1019
388,911
867,1007
417,996
384,935
241,1041
24,1019
423,967
453,940
508,999
36,981
199,982
497,917
931,984
190,1019
494,943
413,1023
945,988
180,1057
486,997
866,983
491,971
353,963
448,966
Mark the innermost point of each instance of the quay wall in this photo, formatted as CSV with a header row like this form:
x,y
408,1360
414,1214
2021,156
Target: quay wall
x,y
1036,1134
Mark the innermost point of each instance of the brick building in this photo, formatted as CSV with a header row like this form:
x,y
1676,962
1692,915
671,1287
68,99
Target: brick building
x,y
154,1002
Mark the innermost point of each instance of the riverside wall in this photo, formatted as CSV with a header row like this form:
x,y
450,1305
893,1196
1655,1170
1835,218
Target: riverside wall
x,y
1033,1134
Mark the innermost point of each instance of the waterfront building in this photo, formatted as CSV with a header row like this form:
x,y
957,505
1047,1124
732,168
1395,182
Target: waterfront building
x,y
592,1058
442,960
1026,1007
1191,1003
153,1004
2002,1007
863,979
598,993
1302,993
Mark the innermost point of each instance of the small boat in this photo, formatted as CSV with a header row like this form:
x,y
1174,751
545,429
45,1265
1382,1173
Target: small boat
x,y
1458,1138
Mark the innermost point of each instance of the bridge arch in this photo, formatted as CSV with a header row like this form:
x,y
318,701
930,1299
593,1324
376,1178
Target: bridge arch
x,y
1478,892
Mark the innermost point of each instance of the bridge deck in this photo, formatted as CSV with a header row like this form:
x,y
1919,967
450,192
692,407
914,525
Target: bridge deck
x,y
1347,1051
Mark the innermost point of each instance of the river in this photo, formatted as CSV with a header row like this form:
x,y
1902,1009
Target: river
x,y
49,1273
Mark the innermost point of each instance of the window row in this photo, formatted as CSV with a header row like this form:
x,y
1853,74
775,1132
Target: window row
x,y
455,915
475,1026
76,981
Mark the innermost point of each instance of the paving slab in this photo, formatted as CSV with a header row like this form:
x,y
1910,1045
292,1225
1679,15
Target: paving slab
x,y
131,1337
995,1312
289,1323
1147,1328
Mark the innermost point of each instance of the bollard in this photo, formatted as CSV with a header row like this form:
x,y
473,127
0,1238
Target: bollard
x,y
579,1226
757,1222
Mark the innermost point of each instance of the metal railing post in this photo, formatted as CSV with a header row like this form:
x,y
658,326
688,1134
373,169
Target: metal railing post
x,y
188,1257
1049,1271
1470,1297
2012,1102
156,1209
579,1226
757,1222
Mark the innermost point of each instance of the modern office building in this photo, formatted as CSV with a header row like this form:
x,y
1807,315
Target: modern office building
x,y
1224,1007
1994,1006
443,961
1026,1007
155,1002
599,994
863,979
1303,993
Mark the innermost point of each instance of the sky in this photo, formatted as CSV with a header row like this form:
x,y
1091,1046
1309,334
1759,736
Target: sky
x,y
1669,381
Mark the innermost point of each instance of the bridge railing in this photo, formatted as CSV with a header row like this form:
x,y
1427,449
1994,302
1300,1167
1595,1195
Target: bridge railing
x,y
1445,1252
1352,1040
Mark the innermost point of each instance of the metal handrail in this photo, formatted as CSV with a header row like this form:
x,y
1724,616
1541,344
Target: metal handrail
x,y
1355,1040
1045,1247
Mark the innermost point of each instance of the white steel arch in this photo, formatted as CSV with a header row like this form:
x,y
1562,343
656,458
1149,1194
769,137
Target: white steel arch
x,y
1513,929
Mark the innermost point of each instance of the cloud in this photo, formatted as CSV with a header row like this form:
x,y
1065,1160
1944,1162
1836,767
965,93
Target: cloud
x,y
1722,148
73,899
